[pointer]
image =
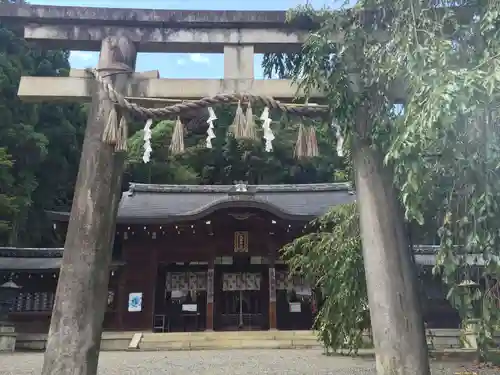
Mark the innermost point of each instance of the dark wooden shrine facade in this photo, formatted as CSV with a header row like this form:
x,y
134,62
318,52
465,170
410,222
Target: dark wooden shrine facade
x,y
228,242
36,271
191,258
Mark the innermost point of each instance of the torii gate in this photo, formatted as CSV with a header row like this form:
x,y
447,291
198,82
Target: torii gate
x,y
76,326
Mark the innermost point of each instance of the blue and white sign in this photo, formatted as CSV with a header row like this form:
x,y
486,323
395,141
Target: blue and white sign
x,y
135,302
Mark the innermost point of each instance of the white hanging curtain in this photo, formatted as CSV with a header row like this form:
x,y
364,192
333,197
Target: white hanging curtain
x,y
297,283
186,281
241,281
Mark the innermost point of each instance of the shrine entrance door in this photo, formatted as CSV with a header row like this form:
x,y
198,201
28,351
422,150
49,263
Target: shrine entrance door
x,y
241,298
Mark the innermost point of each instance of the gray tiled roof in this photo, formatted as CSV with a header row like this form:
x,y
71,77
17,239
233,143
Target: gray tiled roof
x,y
163,203
31,252
149,203
33,259
36,264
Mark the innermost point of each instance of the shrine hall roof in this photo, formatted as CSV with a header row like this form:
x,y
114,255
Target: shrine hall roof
x,y
34,259
148,204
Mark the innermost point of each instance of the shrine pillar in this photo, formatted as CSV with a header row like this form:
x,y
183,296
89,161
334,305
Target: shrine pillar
x,y
210,297
121,300
272,294
75,332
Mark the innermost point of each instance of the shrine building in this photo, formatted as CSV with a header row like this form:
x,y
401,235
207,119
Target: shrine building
x,y
190,258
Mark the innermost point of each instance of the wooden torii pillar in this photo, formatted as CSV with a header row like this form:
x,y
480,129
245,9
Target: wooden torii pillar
x,y
74,338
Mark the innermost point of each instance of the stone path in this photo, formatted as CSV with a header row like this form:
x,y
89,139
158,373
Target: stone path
x,y
228,362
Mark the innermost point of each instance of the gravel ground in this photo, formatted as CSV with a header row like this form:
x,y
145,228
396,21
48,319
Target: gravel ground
x,y
228,362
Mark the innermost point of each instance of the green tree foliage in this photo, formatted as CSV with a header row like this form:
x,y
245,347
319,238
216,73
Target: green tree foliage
x,y
450,118
7,204
330,258
163,168
442,149
232,160
43,141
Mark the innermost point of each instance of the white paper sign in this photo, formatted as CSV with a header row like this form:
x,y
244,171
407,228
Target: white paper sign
x,y
135,302
190,307
177,294
295,307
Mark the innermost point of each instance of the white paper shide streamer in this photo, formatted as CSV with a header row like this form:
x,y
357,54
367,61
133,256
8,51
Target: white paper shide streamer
x,y
266,126
340,138
146,157
210,130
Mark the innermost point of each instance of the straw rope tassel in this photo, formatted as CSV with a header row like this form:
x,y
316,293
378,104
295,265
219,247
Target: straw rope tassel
x,y
110,133
301,145
238,125
312,143
250,131
177,143
122,135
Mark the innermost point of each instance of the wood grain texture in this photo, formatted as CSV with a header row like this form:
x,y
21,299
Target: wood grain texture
x,y
272,315
76,326
396,316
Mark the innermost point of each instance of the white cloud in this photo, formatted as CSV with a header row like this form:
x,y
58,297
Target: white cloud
x,y
198,58
181,62
81,55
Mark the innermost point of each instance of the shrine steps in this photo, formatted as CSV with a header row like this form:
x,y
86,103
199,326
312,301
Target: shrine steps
x,y
229,340
118,341
439,339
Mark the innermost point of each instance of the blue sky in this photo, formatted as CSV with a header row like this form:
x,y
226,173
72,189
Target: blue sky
x,y
180,65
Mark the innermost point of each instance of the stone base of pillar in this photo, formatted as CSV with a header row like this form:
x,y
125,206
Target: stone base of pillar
x,y
8,337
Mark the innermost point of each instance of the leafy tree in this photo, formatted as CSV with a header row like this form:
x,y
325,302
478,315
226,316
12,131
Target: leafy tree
x,y
43,141
7,204
26,146
330,258
335,61
231,160
163,168
441,150
451,117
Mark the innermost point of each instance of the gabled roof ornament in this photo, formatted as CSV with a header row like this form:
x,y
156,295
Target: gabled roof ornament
x,y
241,186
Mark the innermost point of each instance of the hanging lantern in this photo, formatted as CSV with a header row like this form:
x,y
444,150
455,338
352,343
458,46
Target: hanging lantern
x,y
466,279
468,283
